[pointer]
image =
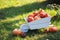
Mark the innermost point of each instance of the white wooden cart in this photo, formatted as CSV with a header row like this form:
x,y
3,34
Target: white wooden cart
x,y
37,24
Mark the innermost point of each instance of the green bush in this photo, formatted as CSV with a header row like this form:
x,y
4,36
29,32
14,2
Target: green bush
x,y
54,1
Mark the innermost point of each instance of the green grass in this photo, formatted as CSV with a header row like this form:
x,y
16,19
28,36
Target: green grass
x,y
15,12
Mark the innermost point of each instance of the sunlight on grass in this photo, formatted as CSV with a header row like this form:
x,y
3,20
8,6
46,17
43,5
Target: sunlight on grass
x,y
13,19
51,12
10,3
58,27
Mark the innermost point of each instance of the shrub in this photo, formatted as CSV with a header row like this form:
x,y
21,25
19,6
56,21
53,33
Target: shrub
x,y
54,1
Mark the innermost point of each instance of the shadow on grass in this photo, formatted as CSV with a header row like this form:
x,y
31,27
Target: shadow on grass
x,y
20,10
10,25
48,36
31,33
51,36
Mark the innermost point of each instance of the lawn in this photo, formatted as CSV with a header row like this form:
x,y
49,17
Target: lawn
x,y
14,12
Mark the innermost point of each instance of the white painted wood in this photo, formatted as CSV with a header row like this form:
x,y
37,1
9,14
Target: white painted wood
x,y
37,24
